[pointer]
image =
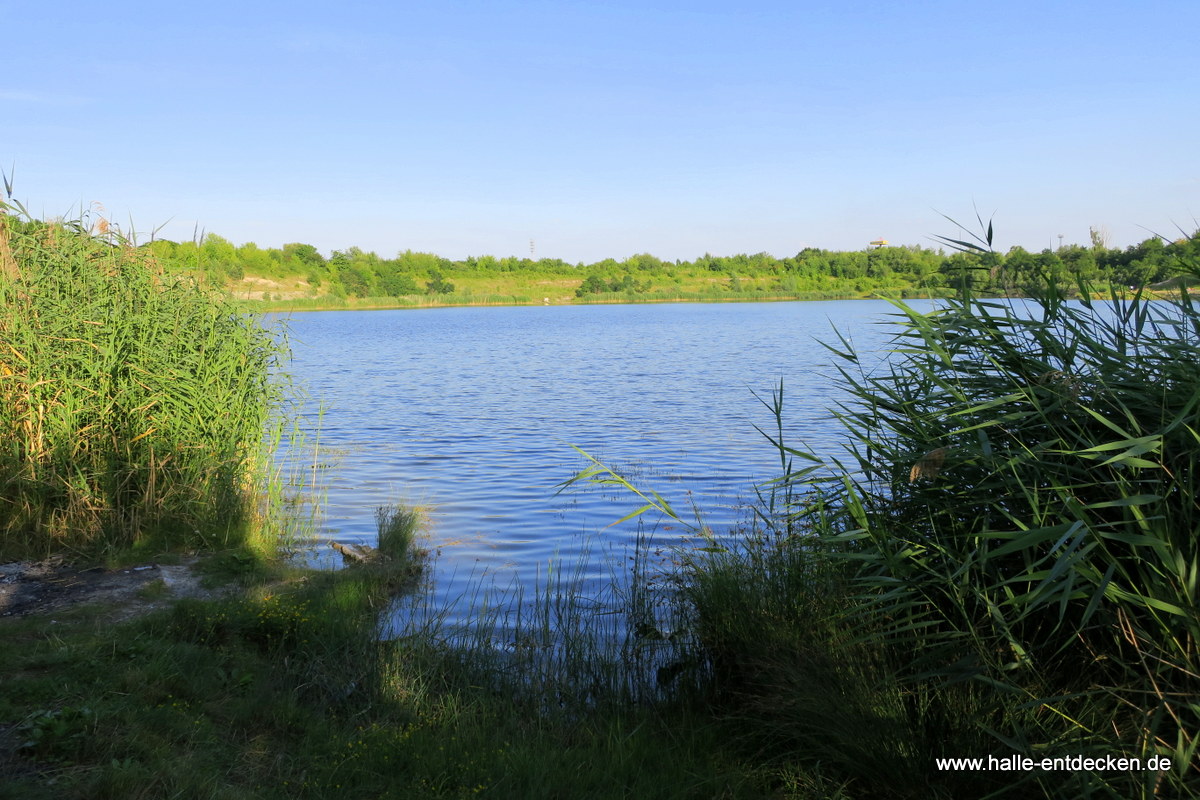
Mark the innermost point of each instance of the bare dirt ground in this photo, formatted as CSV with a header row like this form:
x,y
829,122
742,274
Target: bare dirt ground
x,y
47,587
254,288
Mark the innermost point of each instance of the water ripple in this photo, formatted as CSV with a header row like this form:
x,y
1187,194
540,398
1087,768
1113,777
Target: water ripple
x,y
472,411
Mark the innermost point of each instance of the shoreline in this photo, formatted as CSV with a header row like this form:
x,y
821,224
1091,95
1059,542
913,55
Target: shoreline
x,y
370,304
367,304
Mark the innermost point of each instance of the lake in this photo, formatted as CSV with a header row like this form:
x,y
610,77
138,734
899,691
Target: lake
x,y
472,413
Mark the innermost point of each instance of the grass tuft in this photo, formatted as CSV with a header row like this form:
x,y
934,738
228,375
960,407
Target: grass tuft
x,y
397,529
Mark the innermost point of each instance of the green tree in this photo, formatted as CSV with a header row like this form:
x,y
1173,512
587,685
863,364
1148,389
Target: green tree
x,y
877,263
437,284
395,284
256,261
592,284
219,259
304,256
1021,273
415,262
1080,264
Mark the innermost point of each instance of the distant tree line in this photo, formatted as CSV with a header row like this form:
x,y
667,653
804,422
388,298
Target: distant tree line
x,y
901,269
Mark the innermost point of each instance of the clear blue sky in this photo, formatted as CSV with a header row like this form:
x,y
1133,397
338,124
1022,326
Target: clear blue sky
x,y
604,129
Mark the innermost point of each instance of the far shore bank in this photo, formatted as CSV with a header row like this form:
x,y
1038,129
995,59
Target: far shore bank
x,y
422,303
384,304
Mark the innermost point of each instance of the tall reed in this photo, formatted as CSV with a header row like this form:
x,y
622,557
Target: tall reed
x,y
1019,513
132,403
1005,562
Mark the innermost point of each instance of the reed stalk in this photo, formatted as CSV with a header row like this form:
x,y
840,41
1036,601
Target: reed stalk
x,y
132,403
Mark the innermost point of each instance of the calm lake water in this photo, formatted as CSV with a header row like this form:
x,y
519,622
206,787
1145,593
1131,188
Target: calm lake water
x,y
471,412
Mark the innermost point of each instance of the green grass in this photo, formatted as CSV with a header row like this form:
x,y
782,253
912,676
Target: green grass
x,y
283,689
397,527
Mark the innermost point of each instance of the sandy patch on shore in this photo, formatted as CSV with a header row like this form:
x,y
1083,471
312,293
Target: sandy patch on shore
x,y
46,587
